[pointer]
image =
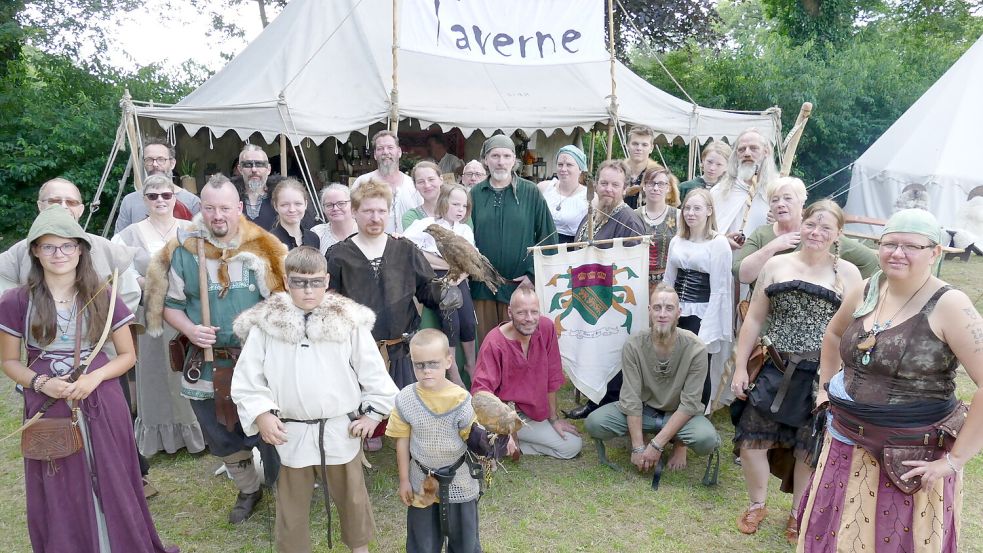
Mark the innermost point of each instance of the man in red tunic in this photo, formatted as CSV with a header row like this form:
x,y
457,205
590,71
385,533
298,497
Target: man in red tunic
x,y
519,362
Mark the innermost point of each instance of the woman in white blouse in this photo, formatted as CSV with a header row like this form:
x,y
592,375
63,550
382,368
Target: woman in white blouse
x,y
699,268
565,195
337,206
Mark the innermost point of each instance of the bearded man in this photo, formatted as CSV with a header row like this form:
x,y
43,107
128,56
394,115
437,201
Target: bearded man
x,y
244,265
509,215
664,370
387,153
613,218
739,201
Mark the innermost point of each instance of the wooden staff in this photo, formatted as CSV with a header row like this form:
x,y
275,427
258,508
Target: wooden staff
x,y
206,317
793,139
645,238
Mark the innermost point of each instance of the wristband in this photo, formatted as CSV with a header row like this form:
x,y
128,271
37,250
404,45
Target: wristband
x,y
34,382
639,449
656,445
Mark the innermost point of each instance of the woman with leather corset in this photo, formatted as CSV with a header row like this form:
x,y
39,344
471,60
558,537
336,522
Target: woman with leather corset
x,y
796,296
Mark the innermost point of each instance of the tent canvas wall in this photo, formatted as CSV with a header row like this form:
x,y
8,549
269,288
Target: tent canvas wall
x,y
933,144
324,69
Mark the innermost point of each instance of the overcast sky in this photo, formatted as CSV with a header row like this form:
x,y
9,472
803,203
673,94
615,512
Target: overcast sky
x,y
146,36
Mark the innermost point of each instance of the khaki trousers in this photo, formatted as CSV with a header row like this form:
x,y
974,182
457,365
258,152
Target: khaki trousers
x,y
346,485
490,314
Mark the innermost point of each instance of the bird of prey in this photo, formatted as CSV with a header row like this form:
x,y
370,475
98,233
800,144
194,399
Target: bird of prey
x,y
463,258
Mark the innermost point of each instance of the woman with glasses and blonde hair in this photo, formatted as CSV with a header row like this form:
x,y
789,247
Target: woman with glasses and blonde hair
x,y
165,421
290,202
796,296
336,202
899,438
660,216
89,500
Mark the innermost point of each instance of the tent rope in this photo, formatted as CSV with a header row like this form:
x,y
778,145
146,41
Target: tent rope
x,y
110,161
829,176
288,123
657,57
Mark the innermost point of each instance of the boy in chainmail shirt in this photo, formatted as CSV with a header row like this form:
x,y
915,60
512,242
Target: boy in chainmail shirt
x,y
432,423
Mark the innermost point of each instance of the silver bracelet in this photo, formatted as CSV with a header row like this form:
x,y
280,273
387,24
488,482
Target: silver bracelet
x,y
639,449
952,465
656,445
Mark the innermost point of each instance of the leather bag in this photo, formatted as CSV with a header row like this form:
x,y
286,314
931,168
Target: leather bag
x,y
52,438
893,456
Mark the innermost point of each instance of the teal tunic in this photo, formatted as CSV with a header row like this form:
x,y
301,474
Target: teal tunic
x,y
506,222
243,293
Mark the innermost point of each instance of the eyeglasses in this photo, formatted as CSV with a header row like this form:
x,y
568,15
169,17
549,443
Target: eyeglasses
x,y
336,205
67,249
297,283
254,164
154,196
66,202
907,249
432,365
474,175
157,160
651,184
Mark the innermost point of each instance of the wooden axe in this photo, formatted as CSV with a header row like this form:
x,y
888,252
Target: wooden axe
x,y
206,318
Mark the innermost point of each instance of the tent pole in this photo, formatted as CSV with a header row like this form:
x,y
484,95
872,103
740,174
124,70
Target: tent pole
x,y
613,106
131,137
793,138
283,155
394,94
694,149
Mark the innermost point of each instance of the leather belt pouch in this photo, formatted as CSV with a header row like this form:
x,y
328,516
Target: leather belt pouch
x,y
225,409
894,455
51,438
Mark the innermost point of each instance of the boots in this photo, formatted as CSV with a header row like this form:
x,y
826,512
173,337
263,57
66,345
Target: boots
x,y
244,506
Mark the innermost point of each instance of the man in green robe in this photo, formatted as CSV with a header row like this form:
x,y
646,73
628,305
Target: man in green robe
x,y
509,215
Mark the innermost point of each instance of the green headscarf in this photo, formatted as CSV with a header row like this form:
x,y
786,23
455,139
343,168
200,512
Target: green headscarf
x,y
58,221
913,221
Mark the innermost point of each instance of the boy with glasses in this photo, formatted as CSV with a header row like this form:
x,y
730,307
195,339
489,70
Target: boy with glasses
x,y
311,382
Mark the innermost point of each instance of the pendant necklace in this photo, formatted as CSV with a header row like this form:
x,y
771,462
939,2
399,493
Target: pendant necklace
x,y
63,332
165,234
651,221
64,302
563,198
870,341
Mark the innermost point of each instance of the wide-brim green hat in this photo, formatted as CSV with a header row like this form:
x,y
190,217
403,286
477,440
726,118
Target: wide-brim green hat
x,y
58,221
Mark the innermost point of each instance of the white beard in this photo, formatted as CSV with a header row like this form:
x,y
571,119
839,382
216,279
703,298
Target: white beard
x,y
500,175
388,167
746,170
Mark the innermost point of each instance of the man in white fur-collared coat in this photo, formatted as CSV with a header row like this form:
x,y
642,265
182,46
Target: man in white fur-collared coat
x,y
310,380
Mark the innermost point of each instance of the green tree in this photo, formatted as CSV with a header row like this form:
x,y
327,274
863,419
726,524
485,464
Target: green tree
x,y
59,119
859,87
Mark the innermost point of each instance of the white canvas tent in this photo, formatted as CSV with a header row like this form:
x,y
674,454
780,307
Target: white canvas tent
x,y
325,69
933,144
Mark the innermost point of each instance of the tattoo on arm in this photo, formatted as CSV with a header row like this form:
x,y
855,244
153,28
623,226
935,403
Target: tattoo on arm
x,y
971,313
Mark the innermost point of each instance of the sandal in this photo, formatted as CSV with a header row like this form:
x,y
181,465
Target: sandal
x,y
792,530
750,519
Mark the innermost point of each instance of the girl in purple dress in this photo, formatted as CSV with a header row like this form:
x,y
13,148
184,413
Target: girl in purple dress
x,y
92,500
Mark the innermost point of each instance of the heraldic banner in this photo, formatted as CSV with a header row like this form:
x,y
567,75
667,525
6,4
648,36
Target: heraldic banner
x,y
596,299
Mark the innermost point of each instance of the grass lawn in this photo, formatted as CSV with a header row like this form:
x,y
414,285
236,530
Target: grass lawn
x,y
537,505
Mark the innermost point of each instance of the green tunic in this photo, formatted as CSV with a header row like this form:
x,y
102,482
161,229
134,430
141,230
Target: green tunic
x,y
850,249
243,293
506,222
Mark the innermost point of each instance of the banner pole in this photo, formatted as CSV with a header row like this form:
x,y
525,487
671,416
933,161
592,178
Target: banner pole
x,y
613,106
394,94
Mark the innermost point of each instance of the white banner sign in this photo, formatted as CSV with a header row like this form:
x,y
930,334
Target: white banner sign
x,y
596,299
520,32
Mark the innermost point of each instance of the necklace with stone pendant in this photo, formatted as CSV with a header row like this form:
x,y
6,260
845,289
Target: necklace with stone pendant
x,y
870,341
63,332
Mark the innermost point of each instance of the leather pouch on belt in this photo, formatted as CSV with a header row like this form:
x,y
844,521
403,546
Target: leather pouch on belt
x,y
895,455
225,409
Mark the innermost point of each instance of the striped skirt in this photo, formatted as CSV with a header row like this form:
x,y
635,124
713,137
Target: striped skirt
x,y
852,506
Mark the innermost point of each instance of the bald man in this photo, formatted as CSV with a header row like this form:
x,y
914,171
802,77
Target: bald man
x,y
15,263
520,362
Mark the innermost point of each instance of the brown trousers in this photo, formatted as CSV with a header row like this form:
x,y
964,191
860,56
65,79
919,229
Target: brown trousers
x,y
346,485
490,314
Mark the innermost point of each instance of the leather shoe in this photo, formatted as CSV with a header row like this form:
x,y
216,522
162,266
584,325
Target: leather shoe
x,y
750,519
792,530
245,504
582,411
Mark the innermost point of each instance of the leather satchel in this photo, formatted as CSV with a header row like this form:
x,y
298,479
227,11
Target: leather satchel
x,y
52,438
225,409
